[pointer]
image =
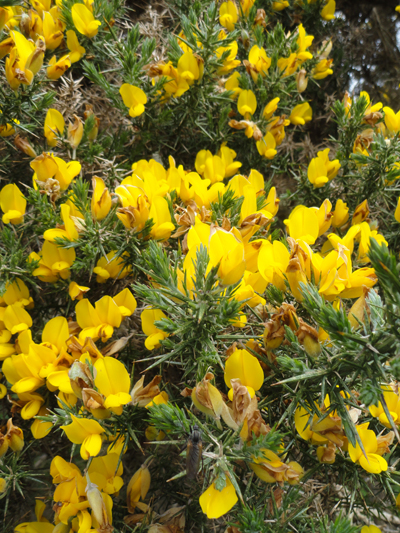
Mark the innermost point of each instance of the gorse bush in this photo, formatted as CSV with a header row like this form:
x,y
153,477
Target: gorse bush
x,y
199,283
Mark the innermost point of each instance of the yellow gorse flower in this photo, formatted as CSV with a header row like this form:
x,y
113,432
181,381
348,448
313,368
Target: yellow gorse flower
x,y
247,103
242,365
134,98
215,503
370,461
84,20
13,204
328,12
111,267
228,15
301,114
54,125
101,199
321,170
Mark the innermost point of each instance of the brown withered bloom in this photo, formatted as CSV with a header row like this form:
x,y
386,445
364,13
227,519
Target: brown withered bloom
x,y
247,125
51,188
24,146
327,454
141,396
172,521
384,441
373,118
308,337
259,19
93,400
241,400
363,140
77,349
186,218
209,401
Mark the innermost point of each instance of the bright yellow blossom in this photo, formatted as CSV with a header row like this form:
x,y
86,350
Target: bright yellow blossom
x,y
13,204
154,335
54,262
258,63
57,68
76,51
301,114
111,267
84,20
303,224
303,42
228,15
288,65
392,120
54,125
393,404
328,12
266,146
322,69
51,32
101,199
188,67
321,170
215,503
76,291
247,103
161,216
341,214
227,251
371,461
270,108
68,232
100,321
87,433
134,98
113,381
242,365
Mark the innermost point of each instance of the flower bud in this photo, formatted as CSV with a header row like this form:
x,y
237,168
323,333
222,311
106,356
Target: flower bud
x,y
24,25
295,275
97,504
35,60
15,436
301,80
138,487
341,214
326,49
75,132
245,39
101,199
24,146
361,213
3,445
80,378
92,134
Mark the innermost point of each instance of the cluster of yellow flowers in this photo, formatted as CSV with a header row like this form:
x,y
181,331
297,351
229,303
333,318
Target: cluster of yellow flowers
x,y
60,361
41,27
71,360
